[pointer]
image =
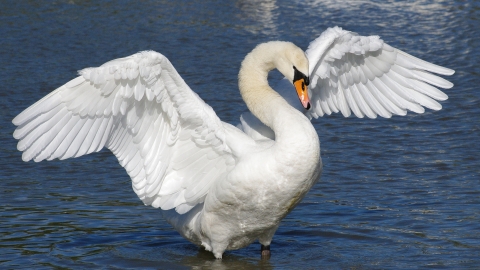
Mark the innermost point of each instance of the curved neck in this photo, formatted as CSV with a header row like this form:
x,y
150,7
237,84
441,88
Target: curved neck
x,y
260,98
295,138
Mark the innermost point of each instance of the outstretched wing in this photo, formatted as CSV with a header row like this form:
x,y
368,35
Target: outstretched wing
x,y
349,73
170,142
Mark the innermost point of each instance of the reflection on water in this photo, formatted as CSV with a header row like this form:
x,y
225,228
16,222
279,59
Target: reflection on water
x,y
188,256
263,12
425,7
395,193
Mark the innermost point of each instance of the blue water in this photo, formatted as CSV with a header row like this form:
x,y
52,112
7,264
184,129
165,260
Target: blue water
x,y
396,193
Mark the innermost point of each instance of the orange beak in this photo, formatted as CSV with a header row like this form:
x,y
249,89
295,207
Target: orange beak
x,y
302,92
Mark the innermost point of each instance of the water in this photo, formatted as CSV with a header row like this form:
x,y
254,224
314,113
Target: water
x,y
395,193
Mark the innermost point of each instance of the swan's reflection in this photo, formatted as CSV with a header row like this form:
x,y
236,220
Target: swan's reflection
x,y
188,256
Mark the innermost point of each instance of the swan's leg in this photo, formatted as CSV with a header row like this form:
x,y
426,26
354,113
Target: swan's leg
x,y
218,248
265,251
265,239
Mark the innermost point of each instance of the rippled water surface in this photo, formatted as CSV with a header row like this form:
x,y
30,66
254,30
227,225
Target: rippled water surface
x,y
395,193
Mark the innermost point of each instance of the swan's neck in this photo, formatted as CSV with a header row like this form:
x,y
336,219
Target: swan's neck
x,y
260,98
266,104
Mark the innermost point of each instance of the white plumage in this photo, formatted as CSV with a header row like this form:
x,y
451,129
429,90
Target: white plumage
x,y
220,186
367,76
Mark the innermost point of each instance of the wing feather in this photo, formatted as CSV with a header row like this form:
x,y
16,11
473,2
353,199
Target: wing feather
x,y
142,110
372,102
384,100
364,75
391,95
351,102
80,133
360,100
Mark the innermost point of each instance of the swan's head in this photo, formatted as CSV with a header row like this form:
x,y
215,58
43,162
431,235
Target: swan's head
x,y
293,64
289,59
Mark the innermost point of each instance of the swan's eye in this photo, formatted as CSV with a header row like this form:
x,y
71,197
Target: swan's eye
x,y
297,75
300,81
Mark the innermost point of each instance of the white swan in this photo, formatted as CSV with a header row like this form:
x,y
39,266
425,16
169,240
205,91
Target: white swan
x,y
220,186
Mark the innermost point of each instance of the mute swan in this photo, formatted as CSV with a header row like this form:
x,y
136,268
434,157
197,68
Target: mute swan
x,y
221,186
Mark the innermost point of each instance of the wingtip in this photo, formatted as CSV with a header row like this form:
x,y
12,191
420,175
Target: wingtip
x,y
451,72
15,121
25,158
450,85
18,120
442,70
